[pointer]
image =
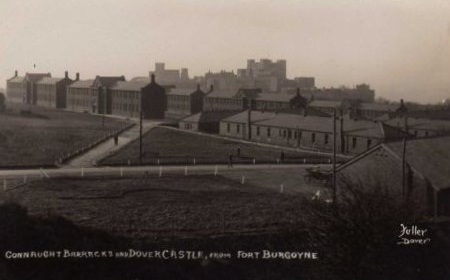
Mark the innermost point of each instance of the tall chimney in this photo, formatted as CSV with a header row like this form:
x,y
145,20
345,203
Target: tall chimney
x,y
66,74
77,76
153,78
211,88
16,73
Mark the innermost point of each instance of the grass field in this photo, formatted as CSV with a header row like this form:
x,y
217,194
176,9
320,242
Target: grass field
x,y
41,137
195,205
176,146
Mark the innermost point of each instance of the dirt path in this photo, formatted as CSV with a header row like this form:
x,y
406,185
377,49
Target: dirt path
x,y
90,158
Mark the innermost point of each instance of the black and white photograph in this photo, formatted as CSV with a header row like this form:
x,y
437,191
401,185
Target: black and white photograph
x,y
225,139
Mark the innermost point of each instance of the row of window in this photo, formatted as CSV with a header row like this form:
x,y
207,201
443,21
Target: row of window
x,y
79,102
289,134
126,95
126,107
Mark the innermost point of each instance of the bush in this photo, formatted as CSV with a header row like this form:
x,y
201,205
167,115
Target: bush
x,y
359,237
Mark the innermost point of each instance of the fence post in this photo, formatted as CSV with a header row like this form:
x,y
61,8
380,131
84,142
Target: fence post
x,y
194,161
254,160
215,171
121,171
24,179
4,184
160,171
82,172
281,188
186,171
304,160
243,180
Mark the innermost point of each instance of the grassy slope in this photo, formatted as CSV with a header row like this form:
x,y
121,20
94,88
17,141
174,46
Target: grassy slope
x,y
172,146
40,138
181,206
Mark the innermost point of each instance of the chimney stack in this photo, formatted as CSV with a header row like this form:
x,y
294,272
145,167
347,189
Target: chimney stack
x,y
16,73
77,76
211,88
153,78
66,74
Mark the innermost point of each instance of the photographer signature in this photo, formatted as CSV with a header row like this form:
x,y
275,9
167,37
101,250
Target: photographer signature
x,y
413,235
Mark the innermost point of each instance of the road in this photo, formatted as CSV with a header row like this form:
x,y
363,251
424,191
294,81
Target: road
x,y
101,151
27,174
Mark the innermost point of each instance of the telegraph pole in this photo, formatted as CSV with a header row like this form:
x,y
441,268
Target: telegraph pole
x,y
334,158
140,131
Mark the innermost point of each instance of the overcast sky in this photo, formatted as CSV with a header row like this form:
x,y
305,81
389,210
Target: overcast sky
x,y
400,47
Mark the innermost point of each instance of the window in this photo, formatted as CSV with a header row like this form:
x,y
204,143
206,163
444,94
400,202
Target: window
x,y
284,133
268,132
289,134
426,133
228,127
353,142
257,131
313,137
369,143
238,128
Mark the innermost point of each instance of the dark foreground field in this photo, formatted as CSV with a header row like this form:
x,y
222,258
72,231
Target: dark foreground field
x,y
43,136
209,214
173,206
178,147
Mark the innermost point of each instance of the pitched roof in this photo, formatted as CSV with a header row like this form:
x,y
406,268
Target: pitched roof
x,y
255,116
277,97
17,79
130,86
49,81
326,103
209,116
429,156
378,107
362,128
82,84
420,123
222,94
107,81
180,91
379,130
35,77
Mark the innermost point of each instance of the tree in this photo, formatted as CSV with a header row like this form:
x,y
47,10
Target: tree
x,y
359,238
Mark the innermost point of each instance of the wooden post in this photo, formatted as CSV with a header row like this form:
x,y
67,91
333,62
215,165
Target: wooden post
x,y
243,180
216,171
281,188
160,171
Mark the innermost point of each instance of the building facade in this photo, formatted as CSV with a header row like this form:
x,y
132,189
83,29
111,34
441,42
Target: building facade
x,y
311,132
80,97
183,102
23,89
52,92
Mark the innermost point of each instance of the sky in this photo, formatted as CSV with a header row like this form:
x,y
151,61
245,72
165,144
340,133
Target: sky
x,y
400,47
